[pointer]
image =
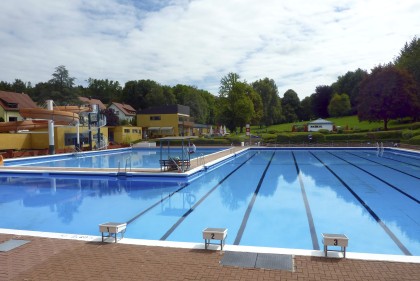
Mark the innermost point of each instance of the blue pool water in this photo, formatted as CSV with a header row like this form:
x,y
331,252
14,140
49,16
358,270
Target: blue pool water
x,y
130,157
275,198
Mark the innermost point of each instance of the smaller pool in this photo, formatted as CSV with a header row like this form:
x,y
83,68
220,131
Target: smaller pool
x,y
119,158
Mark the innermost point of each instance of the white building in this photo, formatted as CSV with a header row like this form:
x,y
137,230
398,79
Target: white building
x,y
123,111
320,124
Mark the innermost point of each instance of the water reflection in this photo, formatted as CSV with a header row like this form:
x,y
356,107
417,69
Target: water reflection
x,y
65,195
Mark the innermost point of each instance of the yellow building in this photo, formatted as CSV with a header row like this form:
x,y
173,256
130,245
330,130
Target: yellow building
x,y
165,121
64,139
124,134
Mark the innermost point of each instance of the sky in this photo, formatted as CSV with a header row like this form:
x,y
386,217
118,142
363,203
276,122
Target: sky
x,y
300,44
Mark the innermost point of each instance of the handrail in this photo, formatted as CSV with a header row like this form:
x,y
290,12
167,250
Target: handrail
x,y
77,151
126,162
201,160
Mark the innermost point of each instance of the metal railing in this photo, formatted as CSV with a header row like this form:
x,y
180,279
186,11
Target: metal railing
x,y
201,160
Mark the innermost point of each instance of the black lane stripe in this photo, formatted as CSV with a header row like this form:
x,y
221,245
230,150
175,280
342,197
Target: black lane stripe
x,y
378,178
155,204
371,212
312,229
181,219
251,204
367,159
399,161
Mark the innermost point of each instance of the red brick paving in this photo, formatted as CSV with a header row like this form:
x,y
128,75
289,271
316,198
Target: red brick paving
x,y
59,259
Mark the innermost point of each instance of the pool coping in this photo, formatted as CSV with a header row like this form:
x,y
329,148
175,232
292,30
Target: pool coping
x,y
227,247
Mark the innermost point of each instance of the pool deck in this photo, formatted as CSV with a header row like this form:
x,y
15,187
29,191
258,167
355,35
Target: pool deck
x,y
65,259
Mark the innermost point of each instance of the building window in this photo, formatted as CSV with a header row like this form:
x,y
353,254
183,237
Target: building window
x,y
154,118
135,131
127,131
12,119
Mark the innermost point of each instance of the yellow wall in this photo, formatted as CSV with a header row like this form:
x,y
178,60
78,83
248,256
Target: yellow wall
x,y
7,114
126,134
2,113
166,120
15,141
38,140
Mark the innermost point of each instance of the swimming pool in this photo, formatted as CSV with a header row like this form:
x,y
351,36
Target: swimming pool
x,y
265,197
118,158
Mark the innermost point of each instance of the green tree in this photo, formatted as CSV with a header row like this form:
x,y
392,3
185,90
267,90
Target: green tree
x,y
5,86
227,83
306,109
291,106
271,103
106,90
388,93
235,106
350,84
409,59
142,94
320,100
192,97
339,105
61,86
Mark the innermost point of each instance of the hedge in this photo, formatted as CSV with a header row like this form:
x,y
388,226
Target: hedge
x,y
414,140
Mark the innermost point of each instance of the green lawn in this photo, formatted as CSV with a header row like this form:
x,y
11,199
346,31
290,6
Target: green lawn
x,y
350,122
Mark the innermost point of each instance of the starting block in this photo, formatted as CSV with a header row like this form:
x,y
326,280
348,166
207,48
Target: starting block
x,y
339,240
214,234
112,228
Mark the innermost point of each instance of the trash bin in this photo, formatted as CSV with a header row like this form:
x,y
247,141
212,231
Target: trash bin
x,y
242,143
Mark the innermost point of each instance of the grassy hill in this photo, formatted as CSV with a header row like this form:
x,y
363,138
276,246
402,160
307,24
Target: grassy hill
x,y
347,122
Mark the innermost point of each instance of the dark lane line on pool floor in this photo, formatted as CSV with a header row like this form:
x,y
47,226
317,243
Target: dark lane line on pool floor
x,y
378,178
367,159
169,232
156,204
370,211
312,229
399,161
251,204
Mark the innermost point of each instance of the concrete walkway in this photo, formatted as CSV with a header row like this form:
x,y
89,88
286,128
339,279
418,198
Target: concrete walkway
x,y
61,259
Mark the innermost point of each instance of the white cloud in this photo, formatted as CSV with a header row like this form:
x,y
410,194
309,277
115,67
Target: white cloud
x,y
299,44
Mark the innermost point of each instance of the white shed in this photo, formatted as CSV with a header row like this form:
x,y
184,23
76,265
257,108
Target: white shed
x,y
319,124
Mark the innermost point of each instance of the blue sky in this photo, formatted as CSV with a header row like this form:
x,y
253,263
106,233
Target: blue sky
x,y
299,44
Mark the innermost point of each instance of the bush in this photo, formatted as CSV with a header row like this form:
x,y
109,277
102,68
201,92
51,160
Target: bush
x,y
408,134
346,137
414,140
283,138
269,138
324,131
385,135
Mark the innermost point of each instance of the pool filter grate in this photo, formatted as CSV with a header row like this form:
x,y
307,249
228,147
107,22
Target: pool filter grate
x,y
12,244
258,260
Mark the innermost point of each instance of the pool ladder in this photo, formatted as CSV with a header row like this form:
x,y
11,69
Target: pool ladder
x,y
127,165
77,151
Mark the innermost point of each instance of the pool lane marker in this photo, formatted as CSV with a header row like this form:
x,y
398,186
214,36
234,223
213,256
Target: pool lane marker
x,y
378,178
181,219
155,204
371,212
399,161
367,159
251,204
312,229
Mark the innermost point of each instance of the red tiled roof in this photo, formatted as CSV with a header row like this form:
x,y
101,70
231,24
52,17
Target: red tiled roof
x,y
92,102
125,108
9,99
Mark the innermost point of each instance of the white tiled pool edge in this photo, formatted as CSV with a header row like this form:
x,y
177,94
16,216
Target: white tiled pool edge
x,y
190,245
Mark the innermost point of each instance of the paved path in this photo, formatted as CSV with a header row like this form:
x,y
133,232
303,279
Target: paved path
x,y
60,259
